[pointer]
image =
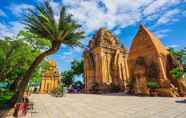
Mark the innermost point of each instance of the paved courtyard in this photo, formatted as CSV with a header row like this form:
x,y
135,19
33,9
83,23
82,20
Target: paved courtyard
x,y
107,106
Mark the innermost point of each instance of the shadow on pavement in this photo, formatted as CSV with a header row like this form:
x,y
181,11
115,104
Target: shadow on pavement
x,y
115,94
181,101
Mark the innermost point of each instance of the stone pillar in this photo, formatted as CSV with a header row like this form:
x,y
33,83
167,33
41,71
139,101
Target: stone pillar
x,y
162,68
126,68
163,81
86,71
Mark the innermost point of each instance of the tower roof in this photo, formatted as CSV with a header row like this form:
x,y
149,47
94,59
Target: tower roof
x,y
155,41
52,63
105,38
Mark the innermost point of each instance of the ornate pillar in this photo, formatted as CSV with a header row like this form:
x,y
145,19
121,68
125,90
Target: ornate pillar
x,y
162,68
126,68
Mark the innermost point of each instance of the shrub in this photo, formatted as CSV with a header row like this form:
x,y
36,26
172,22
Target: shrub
x,y
115,88
176,73
5,97
152,85
94,88
58,92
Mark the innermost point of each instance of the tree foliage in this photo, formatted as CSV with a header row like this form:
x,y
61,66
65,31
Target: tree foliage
x,y
67,77
177,73
16,54
42,23
15,58
75,70
77,67
180,56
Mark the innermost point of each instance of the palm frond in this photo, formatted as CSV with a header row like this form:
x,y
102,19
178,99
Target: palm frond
x,y
68,27
62,18
74,39
41,21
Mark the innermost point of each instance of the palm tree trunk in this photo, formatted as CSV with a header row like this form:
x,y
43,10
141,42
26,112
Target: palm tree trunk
x,y
28,74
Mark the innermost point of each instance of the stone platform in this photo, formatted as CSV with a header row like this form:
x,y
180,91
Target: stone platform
x,y
107,106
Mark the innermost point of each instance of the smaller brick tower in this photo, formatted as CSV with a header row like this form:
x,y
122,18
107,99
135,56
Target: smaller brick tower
x,y
50,79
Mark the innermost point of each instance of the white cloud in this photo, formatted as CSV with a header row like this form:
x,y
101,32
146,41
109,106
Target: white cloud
x,y
159,5
78,49
67,58
110,14
10,29
115,6
69,53
93,14
56,7
116,14
162,33
117,31
173,46
86,40
19,9
184,13
168,17
113,14
152,17
2,13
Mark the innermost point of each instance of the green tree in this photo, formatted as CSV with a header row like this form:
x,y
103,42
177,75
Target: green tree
x,y
40,21
177,73
75,70
180,56
16,54
77,67
67,78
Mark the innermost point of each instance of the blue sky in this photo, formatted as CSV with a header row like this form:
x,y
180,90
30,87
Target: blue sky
x,y
166,18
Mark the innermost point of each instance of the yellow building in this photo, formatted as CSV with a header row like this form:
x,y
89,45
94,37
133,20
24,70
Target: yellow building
x,y
50,79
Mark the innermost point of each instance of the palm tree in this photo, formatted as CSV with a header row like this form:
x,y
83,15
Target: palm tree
x,y
41,22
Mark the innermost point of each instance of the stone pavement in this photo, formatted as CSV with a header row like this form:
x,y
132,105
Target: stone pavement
x,y
107,106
